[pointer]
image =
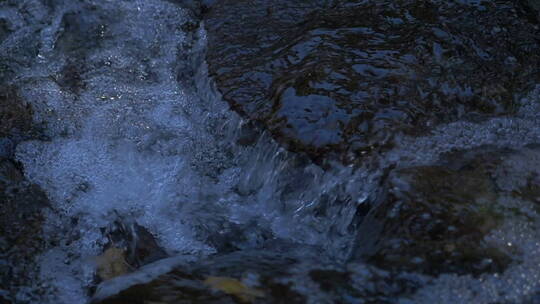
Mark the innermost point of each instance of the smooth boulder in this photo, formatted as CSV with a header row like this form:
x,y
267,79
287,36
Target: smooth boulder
x,y
342,78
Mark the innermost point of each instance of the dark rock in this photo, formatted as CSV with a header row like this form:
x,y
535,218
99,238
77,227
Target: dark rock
x,y
190,283
83,31
21,202
332,280
7,147
344,77
434,219
249,133
267,276
533,299
534,6
365,284
232,237
424,221
15,114
21,206
18,43
531,10
70,79
4,30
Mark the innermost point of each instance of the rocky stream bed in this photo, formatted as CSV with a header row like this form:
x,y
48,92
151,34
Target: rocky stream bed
x,y
284,151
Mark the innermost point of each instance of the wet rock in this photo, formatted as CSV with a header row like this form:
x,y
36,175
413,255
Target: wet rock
x,y
112,263
234,287
80,35
232,278
269,276
436,219
4,29
249,133
70,78
518,173
531,10
84,30
15,114
130,246
232,237
21,202
21,206
6,147
197,7
343,77
361,283
137,245
534,5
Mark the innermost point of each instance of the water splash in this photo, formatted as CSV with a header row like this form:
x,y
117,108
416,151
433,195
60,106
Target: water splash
x,y
132,138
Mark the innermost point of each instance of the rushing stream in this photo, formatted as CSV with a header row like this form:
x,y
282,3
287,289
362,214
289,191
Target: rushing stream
x,y
137,133
134,143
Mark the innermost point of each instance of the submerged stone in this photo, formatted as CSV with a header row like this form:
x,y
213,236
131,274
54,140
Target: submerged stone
x,y
260,276
21,202
242,277
15,114
343,77
436,219
21,239
534,6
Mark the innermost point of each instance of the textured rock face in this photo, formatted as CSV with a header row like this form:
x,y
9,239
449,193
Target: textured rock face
x,y
21,205
346,76
21,202
435,219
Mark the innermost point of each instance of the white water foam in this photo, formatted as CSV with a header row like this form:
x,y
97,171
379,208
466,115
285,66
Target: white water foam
x,y
136,142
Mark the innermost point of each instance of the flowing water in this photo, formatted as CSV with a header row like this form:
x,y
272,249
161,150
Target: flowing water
x,y
134,143
142,135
